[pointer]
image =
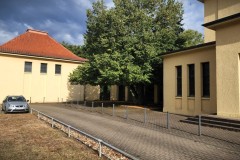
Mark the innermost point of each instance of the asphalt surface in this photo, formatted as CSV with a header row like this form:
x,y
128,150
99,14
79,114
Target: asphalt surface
x,y
143,143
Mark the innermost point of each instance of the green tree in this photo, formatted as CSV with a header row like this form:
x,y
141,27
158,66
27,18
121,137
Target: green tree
x,y
127,40
76,49
191,38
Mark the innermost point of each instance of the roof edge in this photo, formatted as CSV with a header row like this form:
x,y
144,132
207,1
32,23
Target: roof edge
x,y
191,48
41,57
36,31
230,18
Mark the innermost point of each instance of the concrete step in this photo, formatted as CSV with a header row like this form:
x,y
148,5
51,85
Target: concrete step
x,y
229,124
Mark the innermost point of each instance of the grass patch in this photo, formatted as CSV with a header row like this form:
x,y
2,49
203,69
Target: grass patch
x,y
24,137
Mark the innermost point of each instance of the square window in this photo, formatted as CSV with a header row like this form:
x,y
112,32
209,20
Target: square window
x,y
28,67
58,69
43,68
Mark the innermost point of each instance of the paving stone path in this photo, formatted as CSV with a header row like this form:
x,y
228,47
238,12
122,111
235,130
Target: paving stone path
x,y
142,142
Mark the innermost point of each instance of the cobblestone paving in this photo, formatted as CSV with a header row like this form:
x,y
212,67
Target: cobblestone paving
x,y
145,141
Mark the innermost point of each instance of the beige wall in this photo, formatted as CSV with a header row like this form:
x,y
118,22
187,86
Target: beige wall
x,y
228,7
228,70
36,86
217,9
210,14
114,93
189,105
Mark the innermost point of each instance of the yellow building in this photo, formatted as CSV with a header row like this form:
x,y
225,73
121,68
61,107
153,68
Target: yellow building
x,y
36,66
205,79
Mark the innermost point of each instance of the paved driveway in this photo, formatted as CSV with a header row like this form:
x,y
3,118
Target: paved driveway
x,y
139,141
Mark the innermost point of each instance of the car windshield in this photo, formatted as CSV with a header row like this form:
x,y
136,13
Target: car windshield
x,y
16,98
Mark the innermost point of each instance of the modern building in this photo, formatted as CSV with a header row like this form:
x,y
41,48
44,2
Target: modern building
x,y
36,66
205,79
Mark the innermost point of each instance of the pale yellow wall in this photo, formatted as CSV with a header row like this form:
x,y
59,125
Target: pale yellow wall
x,y
217,9
114,93
189,105
228,7
36,86
228,68
210,14
92,92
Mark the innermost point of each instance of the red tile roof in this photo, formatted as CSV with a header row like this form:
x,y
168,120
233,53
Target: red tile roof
x,y
40,44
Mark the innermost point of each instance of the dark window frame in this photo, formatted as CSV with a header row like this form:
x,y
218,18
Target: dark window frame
x,y
205,79
179,81
28,67
191,80
58,69
43,68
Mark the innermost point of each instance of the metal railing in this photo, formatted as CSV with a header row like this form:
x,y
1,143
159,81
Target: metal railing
x,y
159,120
69,130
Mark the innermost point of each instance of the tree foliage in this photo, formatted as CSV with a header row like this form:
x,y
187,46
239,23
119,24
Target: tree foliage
x,y
76,49
191,38
126,42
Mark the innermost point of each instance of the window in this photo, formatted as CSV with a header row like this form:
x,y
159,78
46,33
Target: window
x,y
205,80
191,80
179,80
43,68
28,67
57,69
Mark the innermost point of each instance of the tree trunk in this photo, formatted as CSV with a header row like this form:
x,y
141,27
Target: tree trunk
x,y
137,93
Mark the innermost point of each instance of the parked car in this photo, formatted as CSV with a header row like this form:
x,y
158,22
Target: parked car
x,y
15,104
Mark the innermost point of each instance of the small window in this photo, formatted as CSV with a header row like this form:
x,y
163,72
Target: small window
x,y
28,67
43,68
191,80
179,80
205,79
57,69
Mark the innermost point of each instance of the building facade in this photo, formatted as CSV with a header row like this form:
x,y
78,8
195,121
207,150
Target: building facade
x,y
36,66
205,79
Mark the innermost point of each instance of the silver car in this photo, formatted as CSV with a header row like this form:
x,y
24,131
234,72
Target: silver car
x,y
15,104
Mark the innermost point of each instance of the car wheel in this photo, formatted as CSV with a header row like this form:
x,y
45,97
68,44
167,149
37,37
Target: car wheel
x,y
5,111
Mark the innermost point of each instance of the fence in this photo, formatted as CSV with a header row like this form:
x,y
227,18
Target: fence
x,y
158,120
97,144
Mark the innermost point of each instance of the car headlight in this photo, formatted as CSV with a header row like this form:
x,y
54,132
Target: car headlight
x,y
11,105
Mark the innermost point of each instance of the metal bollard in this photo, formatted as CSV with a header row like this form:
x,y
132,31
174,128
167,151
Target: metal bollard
x,y
126,112
85,103
113,111
199,125
102,108
100,148
52,123
168,118
69,133
31,111
145,115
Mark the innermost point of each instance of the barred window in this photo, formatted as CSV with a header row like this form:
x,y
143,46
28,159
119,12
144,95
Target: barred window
x,y
179,80
28,67
205,79
191,80
58,69
43,68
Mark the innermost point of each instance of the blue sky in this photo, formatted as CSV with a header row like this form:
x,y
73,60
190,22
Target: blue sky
x,y
65,20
